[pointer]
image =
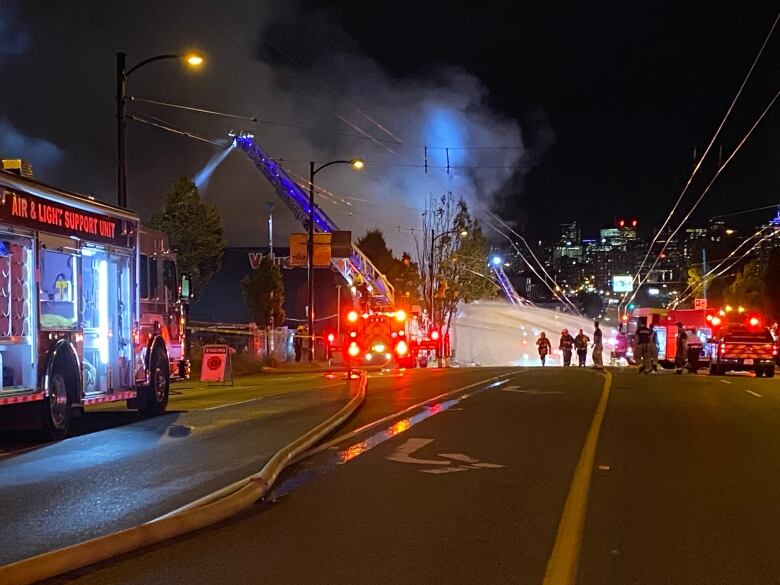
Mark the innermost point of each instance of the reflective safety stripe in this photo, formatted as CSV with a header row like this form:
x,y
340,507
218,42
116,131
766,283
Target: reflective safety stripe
x,y
123,395
21,398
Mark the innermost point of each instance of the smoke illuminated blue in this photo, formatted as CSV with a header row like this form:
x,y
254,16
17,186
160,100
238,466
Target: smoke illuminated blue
x,y
444,128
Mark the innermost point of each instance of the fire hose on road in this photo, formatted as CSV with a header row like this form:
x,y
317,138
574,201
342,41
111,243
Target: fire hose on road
x,y
206,511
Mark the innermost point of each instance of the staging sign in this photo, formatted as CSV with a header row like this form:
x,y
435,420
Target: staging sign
x,y
34,212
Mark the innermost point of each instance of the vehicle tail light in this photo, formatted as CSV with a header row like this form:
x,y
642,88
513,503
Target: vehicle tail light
x,y
354,349
722,348
434,335
401,348
353,334
400,315
352,316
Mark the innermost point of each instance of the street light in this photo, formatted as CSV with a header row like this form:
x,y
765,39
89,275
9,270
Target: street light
x,y
356,164
193,60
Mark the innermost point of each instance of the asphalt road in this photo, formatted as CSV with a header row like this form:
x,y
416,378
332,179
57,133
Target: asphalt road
x,y
472,490
121,470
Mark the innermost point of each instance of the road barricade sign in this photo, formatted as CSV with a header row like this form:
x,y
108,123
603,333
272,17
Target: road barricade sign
x,y
216,365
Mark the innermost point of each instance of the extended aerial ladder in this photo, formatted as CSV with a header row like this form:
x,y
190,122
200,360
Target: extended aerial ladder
x,y
508,288
297,202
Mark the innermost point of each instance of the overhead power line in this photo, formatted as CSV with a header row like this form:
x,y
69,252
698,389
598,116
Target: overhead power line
x,y
707,150
706,189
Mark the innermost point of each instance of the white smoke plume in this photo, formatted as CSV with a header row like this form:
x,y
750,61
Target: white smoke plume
x,y
320,113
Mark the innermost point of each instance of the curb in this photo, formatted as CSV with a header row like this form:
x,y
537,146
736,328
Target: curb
x,y
203,512
270,370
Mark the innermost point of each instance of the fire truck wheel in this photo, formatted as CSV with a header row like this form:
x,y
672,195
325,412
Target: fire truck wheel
x,y
769,372
56,415
157,394
715,370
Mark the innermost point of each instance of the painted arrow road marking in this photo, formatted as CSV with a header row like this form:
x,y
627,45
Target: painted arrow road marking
x,y
453,462
402,454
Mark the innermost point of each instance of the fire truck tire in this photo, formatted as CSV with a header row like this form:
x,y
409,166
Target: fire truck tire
x,y
715,370
56,415
769,372
156,401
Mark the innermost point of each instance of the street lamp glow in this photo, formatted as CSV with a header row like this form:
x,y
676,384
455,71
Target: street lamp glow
x,y
464,233
193,59
358,164
497,260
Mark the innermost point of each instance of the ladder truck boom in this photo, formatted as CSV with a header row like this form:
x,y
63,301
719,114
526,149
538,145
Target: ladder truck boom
x,y
297,202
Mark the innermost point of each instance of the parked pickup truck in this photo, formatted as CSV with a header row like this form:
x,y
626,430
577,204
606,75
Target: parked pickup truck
x,y
740,348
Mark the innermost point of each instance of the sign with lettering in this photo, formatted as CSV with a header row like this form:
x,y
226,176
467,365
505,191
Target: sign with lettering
x,y
35,212
216,359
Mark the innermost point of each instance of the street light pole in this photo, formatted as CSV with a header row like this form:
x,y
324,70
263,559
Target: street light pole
x,y
192,59
310,261
313,170
463,233
121,126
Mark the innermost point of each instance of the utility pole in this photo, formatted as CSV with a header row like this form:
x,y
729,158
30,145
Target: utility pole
x,y
270,207
704,272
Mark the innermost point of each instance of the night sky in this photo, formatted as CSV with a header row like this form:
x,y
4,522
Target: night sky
x,y
552,111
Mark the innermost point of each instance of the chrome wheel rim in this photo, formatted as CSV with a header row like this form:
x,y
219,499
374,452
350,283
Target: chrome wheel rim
x,y
160,385
58,401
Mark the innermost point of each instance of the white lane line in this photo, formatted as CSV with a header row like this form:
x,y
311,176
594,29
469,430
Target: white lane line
x,y
725,381
259,398
754,393
234,403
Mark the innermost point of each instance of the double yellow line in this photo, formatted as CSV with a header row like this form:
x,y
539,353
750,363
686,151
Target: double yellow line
x,y
562,565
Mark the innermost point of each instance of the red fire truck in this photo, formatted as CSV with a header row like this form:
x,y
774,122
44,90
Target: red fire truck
x,y
377,337
72,328
388,336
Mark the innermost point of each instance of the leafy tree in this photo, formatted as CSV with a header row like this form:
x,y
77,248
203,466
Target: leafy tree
x,y
748,287
264,294
374,245
459,271
194,230
403,274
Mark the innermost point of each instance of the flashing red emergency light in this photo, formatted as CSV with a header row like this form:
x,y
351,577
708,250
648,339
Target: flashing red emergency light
x,y
353,334
352,316
401,348
716,321
331,338
400,315
354,349
633,223
622,223
754,321
434,335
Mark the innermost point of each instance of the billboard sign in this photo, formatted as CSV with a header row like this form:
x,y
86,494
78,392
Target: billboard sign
x,y
622,283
